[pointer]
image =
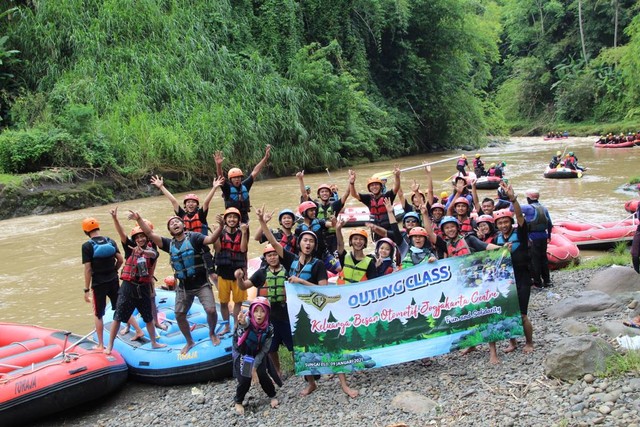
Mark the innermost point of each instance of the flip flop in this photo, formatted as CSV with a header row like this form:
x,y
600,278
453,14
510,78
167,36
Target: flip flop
x,y
631,324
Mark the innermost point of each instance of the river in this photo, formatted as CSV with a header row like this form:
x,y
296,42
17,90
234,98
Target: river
x,y
42,276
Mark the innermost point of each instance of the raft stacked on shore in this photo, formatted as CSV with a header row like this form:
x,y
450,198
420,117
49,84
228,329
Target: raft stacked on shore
x,y
604,234
561,252
168,366
43,371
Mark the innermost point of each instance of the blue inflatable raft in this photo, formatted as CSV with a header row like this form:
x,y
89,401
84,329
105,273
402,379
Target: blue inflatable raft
x,y
167,366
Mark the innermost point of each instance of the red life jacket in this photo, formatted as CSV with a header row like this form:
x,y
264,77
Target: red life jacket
x,y
288,242
458,248
193,223
130,270
466,226
492,172
230,253
462,162
379,211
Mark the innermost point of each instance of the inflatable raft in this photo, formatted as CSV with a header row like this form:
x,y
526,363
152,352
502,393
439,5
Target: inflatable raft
x,y
43,371
631,206
167,366
625,144
355,216
561,252
605,234
562,173
488,183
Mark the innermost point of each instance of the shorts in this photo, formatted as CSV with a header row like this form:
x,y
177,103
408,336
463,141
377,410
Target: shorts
x,y
127,302
523,285
185,297
226,287
100,294
281,335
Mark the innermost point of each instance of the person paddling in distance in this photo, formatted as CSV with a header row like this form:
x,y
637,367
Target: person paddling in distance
x,y
101,260
235,191
306,270
137,281
185,251
193,215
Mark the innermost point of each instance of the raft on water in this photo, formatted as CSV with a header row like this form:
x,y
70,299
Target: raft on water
x,y
562,173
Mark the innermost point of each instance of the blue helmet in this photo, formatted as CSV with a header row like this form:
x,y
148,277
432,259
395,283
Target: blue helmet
x,y
286,212
448,219
411,215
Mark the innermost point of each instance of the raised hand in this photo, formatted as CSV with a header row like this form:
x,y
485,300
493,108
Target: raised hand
x,y
114,212
218,157
157,181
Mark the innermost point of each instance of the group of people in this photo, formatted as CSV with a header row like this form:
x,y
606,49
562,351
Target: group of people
x,y
495,169
569,161
307,245
557,134
610,138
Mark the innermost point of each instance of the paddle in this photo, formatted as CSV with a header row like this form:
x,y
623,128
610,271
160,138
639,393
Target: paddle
x,y
389,173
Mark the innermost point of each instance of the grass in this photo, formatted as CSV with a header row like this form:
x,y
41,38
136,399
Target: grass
x,y
6,179
620,364
616,256
593,329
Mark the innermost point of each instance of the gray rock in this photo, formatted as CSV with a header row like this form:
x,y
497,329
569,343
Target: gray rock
x,y
589,378
615,280
574,357
409,401
616,328
585,303
575,327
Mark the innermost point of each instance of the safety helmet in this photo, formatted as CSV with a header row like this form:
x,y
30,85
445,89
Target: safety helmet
x,y
444,195
135,231
307,188
305,206
90,224
374,180
504,163
284,212
485,218
503,213
464,156
532,193
558,153
191,196
477,155
268,249
359,232
416,193
418,231
461,200
171,218
235,172
309,232
170,281
571,153
448,219
388,241
411,215
260,301
438,206
323,186
229,211
493,165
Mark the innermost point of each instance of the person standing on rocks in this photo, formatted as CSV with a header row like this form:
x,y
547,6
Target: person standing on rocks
x,y
516,240
540,226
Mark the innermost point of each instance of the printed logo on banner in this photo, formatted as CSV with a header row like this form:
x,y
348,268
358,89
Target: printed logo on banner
x,y
318,300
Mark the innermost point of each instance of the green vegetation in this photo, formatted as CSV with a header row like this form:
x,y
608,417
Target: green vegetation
x,y
616,256
620,364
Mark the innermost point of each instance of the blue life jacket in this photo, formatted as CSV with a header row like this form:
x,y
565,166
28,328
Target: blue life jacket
x,y
103,249
305,272
184,261
238,198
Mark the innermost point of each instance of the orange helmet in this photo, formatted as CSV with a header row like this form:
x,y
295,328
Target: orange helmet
x,y
323,186
90,224
191,196
170,281
305,206
235,172
136,230
374,180
268,249
418,231
359,232
231,211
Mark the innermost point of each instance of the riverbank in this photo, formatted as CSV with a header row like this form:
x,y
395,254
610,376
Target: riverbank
x,y
447,390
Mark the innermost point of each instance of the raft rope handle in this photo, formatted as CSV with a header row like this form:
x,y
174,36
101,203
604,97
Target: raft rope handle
x,y
59,362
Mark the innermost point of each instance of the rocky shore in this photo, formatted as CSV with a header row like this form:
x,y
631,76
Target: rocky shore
x,y
450,390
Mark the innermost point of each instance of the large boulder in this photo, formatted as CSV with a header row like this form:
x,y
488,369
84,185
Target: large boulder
x,y
573,357
615,280
586,303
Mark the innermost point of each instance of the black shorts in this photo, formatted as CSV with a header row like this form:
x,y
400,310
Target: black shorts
x,y
523,285
100,293
133,296
281,335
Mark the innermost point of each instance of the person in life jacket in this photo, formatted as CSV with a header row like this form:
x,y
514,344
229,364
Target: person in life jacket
x,y
101,260
437,213
486,229
235,190
193,215
231,254
516,241
305,270
457,244
356,266
308,210
269,280
555,160
387,257
461,187
461,209
462,164
478,166
327,209
420,250
185,249
284,234
374,200
492,170
252,338
137,281
500,169
540,226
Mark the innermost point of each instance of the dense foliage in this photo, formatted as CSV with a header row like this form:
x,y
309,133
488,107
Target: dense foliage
x,y
140,86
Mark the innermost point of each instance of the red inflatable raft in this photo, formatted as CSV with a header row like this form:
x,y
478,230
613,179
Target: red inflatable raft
x,y
605,234
355,216
561,252
625,144
631,206
43,371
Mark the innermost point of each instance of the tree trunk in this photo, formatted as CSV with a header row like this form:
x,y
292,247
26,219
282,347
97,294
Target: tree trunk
x,y
584,49
615,23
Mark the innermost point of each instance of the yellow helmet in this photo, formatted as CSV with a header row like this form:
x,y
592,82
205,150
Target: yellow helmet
x,y
558,153
477,155
464,156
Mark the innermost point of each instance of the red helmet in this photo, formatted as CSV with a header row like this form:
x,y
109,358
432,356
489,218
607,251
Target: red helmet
x,y
418,231
305,206
171,218
323,186
461,200
485,218
268,249
235,172
438,206
503,213
191,196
